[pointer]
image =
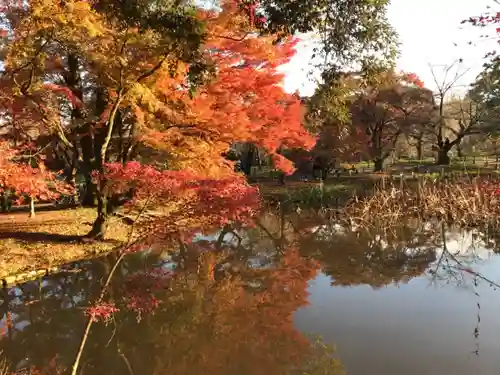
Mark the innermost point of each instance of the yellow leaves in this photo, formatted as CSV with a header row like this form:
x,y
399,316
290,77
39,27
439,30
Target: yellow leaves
x,y
72,17
194,132
16,91
189,149
73,23
139,91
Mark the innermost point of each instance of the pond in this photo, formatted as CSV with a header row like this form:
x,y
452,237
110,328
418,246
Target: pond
x,y
409,300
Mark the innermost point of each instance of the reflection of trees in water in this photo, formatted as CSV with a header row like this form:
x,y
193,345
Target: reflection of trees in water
x,y
381,256
372,256
375,256
378,256
208,321
229,307
458,257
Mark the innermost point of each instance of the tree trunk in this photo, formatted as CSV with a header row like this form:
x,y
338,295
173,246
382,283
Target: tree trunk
x,y
459,150
442,156
378,165
419,149
89,196
88,164
71,178
5,201
247,160
281,178
32,207
324,173
99,227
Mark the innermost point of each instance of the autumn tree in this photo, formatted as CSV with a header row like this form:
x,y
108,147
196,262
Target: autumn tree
x,y
327,116
347,36
108,82
384,109
106,92
27,182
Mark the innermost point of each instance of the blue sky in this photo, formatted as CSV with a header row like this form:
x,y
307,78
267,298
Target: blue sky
x,y
428,30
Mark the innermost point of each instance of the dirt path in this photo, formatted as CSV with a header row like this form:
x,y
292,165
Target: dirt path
x,y
22,221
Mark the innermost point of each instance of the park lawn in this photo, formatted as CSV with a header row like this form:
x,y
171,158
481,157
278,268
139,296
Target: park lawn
x,y
51,238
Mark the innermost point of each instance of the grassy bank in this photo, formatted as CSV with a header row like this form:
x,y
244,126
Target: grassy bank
x,y
51,238
333,193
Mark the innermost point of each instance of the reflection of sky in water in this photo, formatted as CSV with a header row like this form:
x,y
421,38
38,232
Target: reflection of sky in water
x,y
419,328
228,238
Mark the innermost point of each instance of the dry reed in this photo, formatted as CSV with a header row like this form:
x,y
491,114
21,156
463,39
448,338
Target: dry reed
x,y
4,365
464,202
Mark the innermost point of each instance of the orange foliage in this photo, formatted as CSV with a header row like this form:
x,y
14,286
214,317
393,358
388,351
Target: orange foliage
x,y
245,103
388,108
148,84
36,183
234,325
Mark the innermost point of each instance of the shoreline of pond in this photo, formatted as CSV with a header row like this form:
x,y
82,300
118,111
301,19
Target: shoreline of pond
x,y
345,202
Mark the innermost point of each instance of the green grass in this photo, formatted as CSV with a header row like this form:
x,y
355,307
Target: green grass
x,y
332,193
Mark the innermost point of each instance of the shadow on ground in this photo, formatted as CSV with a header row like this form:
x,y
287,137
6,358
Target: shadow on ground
x,y
46,237
39,237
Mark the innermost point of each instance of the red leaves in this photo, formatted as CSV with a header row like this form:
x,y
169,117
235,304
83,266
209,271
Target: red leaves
x,y
145,179
246,102
66,92
248,105
192,202
102,312
483,20
26,180
140,288
413,79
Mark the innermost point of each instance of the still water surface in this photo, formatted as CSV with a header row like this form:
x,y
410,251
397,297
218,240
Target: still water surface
x,y
392,303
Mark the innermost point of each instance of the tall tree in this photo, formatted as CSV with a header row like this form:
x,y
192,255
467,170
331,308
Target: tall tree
x,y
108,92
455,119
384,109
486,91
327,116
349,33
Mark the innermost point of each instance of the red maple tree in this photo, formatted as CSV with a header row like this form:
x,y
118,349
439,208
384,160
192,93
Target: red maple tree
x,y
385,109
26,181
139,86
